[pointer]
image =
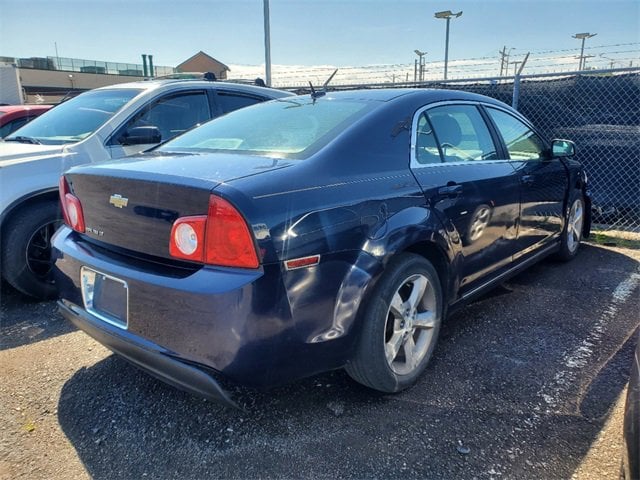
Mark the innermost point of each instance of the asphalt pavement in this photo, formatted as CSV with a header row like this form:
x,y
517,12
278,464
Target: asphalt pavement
x,y
522,385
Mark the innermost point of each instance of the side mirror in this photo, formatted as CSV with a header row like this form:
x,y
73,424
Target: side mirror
x,y
562,148
141,136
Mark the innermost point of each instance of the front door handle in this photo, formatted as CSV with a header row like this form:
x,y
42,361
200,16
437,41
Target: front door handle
x,y
450,191
528,179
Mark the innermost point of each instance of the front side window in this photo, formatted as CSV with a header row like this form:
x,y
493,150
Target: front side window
x,y
461,133
291,128
522,143
174,114
76,119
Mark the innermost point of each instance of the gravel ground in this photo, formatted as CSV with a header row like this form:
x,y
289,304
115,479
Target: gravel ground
x,y
525,383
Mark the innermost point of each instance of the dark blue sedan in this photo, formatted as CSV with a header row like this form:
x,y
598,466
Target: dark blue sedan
x,y
312,233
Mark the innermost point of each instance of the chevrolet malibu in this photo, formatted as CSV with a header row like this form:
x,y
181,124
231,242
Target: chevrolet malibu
x,y
312,233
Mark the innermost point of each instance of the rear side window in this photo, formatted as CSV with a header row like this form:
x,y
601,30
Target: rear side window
x,y
426,145
522,143
229,101
461,133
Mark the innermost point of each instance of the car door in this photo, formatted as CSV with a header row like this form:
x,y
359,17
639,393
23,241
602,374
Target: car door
x,y
543,181
172,114
465,179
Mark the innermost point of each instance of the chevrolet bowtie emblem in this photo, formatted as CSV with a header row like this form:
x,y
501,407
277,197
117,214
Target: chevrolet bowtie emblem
x,y
118,201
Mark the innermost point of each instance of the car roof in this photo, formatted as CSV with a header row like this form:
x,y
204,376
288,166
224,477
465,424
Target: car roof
x,y
23,108
427,95
236,87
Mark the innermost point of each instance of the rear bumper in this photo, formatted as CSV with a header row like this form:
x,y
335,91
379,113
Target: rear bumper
x,y
258,328
146,355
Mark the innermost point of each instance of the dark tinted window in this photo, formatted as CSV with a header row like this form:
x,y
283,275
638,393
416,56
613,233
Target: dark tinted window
x,y
462,133
233,101
174,114
13,125
522,143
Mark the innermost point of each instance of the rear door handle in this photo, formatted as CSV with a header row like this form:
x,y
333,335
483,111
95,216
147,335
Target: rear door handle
x,y
450,191
528,179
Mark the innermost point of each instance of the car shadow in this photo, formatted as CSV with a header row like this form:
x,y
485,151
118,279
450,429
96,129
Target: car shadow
x,y
489,404
25,320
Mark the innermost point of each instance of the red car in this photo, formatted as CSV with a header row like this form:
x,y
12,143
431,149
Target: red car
x,y
12,117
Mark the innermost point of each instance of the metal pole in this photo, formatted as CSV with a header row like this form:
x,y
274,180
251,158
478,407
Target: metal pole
x,y
516,92
515,67
57,56
446,49
581,65
267,43
415,71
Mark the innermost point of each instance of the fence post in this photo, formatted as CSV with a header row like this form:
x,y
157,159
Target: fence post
x,y
516,91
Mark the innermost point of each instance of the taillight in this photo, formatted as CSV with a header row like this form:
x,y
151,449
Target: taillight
x,y
222,237
71,207
187,238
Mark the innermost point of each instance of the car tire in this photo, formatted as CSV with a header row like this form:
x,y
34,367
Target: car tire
x,y
400,326
26,249
573,229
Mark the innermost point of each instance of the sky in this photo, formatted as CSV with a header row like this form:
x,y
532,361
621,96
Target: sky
x,y
308,33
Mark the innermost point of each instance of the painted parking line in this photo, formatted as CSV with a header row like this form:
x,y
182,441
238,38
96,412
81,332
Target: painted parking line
x,y
577,358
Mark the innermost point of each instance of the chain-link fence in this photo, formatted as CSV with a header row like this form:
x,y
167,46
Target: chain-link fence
x,y
598,110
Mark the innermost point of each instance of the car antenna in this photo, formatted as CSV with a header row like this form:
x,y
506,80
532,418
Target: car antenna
x,y
315,94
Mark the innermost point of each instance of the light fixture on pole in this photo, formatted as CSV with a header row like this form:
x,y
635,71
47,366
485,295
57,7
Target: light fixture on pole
x,y
447,15
583,37
611,60
421,71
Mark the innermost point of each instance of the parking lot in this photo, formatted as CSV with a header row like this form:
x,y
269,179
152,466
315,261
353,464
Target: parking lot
x,y
521,385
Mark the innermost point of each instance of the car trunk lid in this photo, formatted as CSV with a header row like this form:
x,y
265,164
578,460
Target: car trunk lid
x,y
133,204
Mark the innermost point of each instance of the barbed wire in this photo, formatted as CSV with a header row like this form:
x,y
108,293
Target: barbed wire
x,y
540,61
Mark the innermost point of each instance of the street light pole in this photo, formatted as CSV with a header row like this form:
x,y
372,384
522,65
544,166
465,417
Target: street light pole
x,y
447,15
583,37
267,43
421,64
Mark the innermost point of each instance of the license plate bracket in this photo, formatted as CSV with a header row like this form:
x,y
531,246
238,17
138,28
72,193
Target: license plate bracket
x,y
105,297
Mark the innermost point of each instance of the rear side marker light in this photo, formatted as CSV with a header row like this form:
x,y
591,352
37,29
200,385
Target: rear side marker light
x,y
302,262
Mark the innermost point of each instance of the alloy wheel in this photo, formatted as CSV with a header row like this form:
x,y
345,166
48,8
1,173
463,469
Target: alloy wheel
x,y
574,225
411,320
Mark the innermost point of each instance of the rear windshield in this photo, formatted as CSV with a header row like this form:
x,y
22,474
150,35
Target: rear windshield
x,y
76,119
291,128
